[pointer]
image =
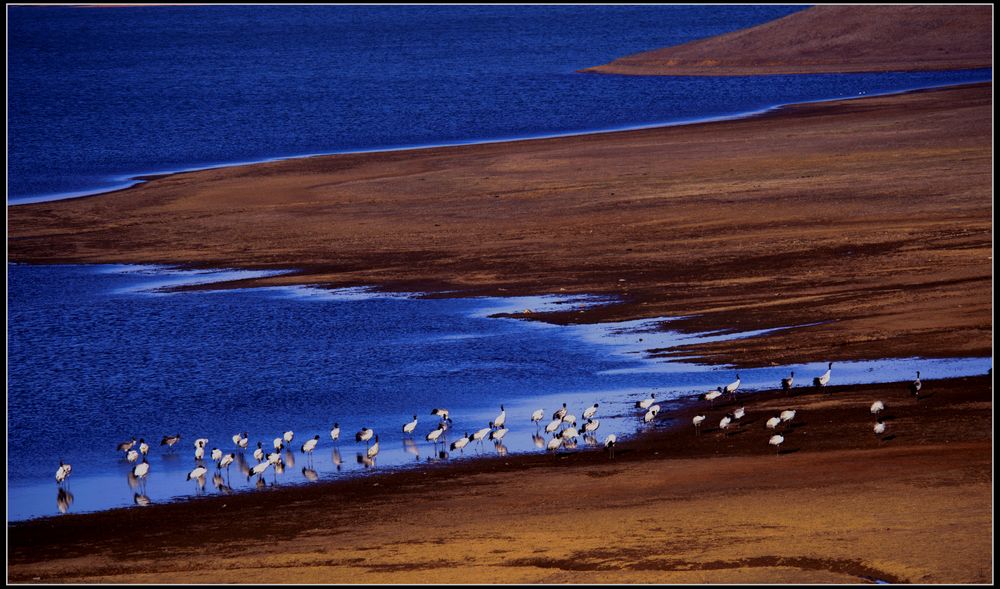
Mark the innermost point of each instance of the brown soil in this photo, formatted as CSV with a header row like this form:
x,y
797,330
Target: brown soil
x,y
869,219
838,505
828,39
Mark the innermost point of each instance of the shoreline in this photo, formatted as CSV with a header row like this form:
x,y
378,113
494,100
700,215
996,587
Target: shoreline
x,y
69,547
129,181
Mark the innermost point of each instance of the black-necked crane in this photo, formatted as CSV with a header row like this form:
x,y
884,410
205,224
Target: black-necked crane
x,y
373,449
287,436
259,452
725,421
435,434
697,421
773,422
500,419
732,387
559,413
591,425
590,412
821,381
498,434
537,416
257,470
227,461
198,473
335,432
711,396
915,386
647,402
569,418
126,446
365,435
740,413
409,427
236,439
216,455
609,443
442,413
776,441
553,425
141,470
554,443
169,441
201,442
310,445
568,433
787,415
461,443
879,429
143,447
132,456
62,473
244,442
199,453
278,444
786,383
480,435
650,413
877,407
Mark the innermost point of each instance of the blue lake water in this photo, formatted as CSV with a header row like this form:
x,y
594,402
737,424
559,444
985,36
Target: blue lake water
x,y
97,96
98,354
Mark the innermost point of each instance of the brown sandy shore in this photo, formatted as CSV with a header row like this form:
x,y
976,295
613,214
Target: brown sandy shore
x,y
838,505
829,39
870,218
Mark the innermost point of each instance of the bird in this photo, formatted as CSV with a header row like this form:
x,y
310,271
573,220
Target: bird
x,y
198,472
773,422
498,434
226,461
216,454
256,470
278,444
481,434
739,413
591,425
609,443
725,421
310,445
570,419
288,436
554,443
143,447
731,387
879,428
787,415
126,446
650,414
553,425
697,422
201,442
335,432
537,416
460,443
559,412
442,413
645,403
877,407
132,456
236,439
786,383
373,450
259,452
435,434
199,453
141,470
63,472
569,432
169,441
711,396
274,458
915,386
364,435
776,441
820,381
500,419
590,411
409,427
244,441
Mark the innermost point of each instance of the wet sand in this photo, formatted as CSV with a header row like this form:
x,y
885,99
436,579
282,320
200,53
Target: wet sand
x,y
838,505
831,39
868,220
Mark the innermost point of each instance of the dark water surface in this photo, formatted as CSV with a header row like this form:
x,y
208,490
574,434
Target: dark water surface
x,y
97,96
96,357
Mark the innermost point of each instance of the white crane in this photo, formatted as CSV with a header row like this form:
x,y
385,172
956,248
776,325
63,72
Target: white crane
x,y
776,441
786,383
787,415
773,422
255,471
821,381
590,412
740,413
877,407
409,427
697,421
537,416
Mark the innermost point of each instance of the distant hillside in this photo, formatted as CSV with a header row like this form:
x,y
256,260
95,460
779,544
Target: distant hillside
x,y
827,39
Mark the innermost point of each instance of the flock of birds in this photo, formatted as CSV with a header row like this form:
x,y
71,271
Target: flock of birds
x,y
563,428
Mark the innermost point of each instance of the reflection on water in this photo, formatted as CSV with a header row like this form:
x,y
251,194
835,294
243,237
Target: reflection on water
x,y
310,474
336,459
141,500
411,447
63,500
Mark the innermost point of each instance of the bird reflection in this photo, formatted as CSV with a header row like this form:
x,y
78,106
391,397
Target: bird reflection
x,y
133,482
538,440
141,500
241,463
410,446
310,474
501,449
63,500
261,483
336,459
289,459
365,460
589,440
570,443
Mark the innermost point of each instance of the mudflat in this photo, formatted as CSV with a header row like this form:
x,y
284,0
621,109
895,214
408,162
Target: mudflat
x,y
867,223
839,504
831,39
